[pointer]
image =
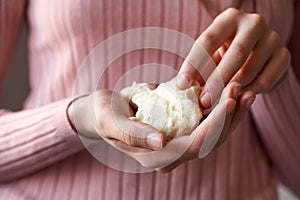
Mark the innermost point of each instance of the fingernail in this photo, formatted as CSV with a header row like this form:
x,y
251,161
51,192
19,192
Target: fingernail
x,y
182,81
205,99
154,141
249,102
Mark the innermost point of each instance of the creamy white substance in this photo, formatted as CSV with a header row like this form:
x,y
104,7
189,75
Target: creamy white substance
x,y
172,111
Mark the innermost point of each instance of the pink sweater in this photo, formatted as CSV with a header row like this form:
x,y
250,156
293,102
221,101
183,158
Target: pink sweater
x,y
41,156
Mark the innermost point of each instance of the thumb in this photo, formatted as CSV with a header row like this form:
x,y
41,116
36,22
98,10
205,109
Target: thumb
x,y
198,65
138,134
186,75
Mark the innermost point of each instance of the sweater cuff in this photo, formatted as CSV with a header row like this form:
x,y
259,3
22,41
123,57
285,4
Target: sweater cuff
x,y
64,129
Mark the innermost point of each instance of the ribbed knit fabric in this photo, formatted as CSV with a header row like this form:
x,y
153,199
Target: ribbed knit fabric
x,y
42,158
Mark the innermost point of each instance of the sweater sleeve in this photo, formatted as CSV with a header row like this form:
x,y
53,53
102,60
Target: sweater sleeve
x,y
30,139
33,139
277,116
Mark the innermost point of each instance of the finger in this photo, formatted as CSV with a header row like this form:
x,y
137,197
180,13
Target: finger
x,y
217,55
208,132
196,63
244,103
210,98
243,43
187,76
230,93
234,58
117,125
223,28
127,148
273,71
232,90
228,119
258,58
219,120
214,125
210,65
208,42
138,134
206,135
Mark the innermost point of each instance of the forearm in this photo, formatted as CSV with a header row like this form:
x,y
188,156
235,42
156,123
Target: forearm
x,y
33,139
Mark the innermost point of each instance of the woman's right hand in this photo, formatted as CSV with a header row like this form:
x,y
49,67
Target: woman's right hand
x,y
245,49
106,114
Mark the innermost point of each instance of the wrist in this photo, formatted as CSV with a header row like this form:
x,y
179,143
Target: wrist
x,y
82,117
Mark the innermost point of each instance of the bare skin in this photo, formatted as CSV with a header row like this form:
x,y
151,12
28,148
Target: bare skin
x,y
250,58
245,50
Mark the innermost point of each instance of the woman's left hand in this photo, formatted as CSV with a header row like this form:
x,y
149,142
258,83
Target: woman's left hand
x,y
245,50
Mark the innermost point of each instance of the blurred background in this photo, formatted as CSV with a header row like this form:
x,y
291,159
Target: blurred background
x,y
16,88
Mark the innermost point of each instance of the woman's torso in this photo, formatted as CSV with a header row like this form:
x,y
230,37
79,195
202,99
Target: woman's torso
x,y
61,34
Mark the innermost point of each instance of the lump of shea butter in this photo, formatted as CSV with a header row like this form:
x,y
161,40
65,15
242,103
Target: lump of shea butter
x,y
172,111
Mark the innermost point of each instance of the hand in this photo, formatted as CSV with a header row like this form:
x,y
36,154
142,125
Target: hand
x,y
245,50
106,114
213,130
217,125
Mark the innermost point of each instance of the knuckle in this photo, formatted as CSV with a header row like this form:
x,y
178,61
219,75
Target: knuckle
x,y
232,12
128,139
286,54
208,38
264,85
274,37
255,23
258,20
